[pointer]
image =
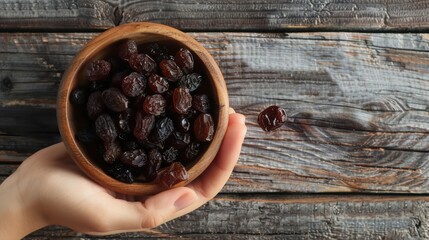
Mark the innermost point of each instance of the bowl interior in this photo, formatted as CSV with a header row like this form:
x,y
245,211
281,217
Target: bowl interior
x,y
73,118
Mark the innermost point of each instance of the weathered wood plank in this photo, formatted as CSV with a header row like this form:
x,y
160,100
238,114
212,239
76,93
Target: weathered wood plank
x,y
358,104
282,216
58,14
266,15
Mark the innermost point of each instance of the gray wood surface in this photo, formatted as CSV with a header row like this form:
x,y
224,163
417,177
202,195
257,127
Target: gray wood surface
x,y
225,15
285,216
358,105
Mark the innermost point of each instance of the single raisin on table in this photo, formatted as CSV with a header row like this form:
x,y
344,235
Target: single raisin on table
x,y
272,118
182,100
173,175
204,127
98,70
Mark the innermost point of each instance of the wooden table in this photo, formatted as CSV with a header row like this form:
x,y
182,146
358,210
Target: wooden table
x,y
352,163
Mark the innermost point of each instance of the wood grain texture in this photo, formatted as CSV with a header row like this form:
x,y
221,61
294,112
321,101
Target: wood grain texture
x,y
283,216
358,105
58,14
225,15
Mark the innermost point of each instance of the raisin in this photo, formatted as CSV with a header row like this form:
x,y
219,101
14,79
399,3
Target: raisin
x,y
114,100
179,140
272,118
112,150
163,128
120,172
204,127
136,158
133,84
170,155
184,60
191,81
157,83
143,126
105,128
181,123
182,100
78,96
142,63
155,50
95,106
201,103
126,49
173,174
191,152
98,70
170,70
154,104
86,135
153,165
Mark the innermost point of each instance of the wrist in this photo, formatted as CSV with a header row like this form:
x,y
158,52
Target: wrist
x,y
18,215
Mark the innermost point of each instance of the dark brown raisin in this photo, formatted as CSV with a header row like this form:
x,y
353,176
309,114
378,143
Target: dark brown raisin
x,y
204,127
190,152
154,104
201,103
154,50
105,128
114,100
142,63
143,126
112,150
191,81
157,83
170,155
153,165
182,100
120,172
272,118
95,106
179,140
170,70
173,175
133,85
184,60
181,123
163,128
136,158
78,96
126,49
124,120
98,70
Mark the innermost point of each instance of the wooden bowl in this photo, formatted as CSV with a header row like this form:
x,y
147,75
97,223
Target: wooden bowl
x,y
69,119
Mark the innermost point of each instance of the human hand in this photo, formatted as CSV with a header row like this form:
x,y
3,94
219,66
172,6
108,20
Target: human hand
x,y
49,189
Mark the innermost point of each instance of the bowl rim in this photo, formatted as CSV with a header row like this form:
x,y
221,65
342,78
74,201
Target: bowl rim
x,y
91,49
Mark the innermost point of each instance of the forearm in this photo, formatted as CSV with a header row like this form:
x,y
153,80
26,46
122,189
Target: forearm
x,y
17,218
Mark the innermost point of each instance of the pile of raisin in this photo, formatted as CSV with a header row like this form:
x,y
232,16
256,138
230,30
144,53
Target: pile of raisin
x,y
148,114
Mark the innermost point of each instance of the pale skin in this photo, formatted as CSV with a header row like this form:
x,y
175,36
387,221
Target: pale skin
x,y
49,189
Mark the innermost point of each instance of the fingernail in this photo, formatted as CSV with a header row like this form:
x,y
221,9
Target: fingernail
x,y
185,200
